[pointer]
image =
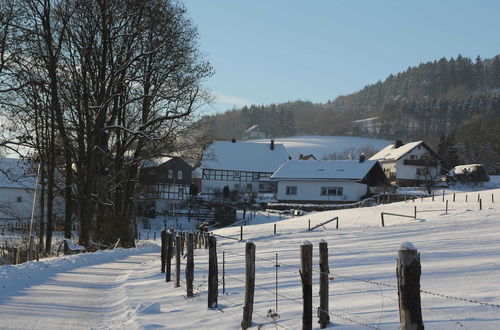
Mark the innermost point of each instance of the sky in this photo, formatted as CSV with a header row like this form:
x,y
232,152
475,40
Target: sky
x,y
273,51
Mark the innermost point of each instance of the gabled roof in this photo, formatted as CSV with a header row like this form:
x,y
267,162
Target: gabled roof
x,y
243,156
152,162
390,153
17,173
324,169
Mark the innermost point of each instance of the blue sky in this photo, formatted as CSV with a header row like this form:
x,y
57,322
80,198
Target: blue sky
x,y
273,51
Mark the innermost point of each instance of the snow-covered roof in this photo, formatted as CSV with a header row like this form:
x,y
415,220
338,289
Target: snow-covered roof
x,y
152,162
390,153
324,169
17,173
469,168
244,156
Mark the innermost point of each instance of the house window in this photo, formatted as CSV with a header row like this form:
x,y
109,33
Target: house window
x,y
19,199
179,175
291,190
170,174
180,193
332,191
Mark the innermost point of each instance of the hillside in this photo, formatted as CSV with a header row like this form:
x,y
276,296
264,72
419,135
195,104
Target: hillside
x,y
456,96
125,289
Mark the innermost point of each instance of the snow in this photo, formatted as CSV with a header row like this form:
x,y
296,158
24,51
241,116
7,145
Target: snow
x,y
324,169
407,246
244,156
323,146
125,289
389,153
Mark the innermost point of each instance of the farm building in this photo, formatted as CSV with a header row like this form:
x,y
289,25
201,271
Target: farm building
x,y
327,181
411,164
162,183
241,166
17,187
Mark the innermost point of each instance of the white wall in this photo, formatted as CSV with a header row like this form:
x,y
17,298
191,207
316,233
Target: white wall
x,y
11,208
311,190
409,172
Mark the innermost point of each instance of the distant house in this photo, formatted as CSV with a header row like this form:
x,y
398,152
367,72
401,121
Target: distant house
x,y
241,166
468,173
327,181
162,183
307,157
17,188
410,164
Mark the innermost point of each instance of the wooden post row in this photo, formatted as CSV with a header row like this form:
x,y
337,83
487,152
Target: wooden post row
x,y
408,272
249,285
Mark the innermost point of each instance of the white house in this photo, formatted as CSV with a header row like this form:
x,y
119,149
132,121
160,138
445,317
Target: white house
x,y
327,181
410,164
239,165
17,187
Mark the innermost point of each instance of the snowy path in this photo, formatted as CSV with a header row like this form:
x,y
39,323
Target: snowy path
x,y
87,297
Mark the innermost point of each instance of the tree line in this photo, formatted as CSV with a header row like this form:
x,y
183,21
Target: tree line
x,y
90,88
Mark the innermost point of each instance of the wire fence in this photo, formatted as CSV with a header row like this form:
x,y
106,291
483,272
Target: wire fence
x,y
272,293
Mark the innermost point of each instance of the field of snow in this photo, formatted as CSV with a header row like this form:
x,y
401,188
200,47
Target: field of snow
x,y
322,146
125,289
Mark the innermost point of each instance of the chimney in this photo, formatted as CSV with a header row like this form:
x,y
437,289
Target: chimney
x,y
362,157
233,140
398,144
272,144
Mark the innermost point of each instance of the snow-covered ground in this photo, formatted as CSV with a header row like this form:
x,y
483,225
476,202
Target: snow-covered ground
x,y
125,289
323,146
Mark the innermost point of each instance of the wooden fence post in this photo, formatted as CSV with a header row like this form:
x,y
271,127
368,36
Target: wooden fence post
x,y
382,216
309,225
223,272
433,197
241,233
480,204
415,216
443,195
190,265
168,259
306,277
163,250
249,285
324,317
446,211
408,274
178,247
453,197
466,198
492,199
478,197
213,272
274,229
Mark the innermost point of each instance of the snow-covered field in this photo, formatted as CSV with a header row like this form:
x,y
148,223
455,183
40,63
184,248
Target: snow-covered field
x,y
322,146
125,289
